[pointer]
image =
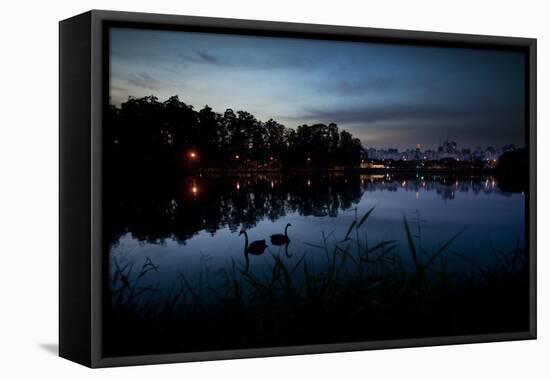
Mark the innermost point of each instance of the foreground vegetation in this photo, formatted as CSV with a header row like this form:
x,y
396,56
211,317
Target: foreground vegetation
x,y
363,292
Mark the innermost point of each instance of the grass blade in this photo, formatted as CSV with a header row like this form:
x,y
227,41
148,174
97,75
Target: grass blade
x,y
351,226
443,248
410,241
364,218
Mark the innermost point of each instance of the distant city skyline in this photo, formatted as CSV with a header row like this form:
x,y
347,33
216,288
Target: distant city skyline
x,y
389,96
448,149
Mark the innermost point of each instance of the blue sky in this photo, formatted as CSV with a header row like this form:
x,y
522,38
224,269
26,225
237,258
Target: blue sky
x,y
387,95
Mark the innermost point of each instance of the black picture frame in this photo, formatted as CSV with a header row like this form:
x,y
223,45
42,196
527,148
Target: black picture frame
x,y
83,84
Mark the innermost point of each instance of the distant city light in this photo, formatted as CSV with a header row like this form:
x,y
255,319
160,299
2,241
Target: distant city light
x,y
447,150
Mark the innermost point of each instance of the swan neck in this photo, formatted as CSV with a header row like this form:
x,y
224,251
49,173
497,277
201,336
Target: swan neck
x,y
245,241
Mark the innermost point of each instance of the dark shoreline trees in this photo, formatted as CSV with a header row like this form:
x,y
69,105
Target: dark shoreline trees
x,y
145,132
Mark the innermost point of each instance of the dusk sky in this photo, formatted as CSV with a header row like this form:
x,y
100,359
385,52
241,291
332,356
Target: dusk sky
x,y
386,95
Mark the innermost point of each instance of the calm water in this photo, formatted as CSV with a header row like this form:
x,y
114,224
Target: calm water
x,y
191,228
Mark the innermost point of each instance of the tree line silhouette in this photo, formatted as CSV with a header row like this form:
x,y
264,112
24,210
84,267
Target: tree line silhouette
x,y
146,132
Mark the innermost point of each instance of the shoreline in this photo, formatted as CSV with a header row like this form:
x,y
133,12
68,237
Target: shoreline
x,y
355,170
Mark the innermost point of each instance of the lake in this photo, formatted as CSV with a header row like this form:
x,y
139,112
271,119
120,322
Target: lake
x,y
191,227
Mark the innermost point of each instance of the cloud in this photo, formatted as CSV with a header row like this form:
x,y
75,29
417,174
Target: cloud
x,y
425,124
355,88
144,80
207,57
395,112
194,57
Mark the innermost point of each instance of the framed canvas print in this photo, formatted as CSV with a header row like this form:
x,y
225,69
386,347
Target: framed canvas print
x,y
234,188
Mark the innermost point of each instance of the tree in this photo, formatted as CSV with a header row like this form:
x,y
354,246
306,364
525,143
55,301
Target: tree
x,y
147,133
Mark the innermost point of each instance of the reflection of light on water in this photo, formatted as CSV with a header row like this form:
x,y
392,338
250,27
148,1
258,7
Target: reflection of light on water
x,y
309,219
272,184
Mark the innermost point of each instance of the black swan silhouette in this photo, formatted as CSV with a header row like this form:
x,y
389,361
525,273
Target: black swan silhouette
x,y
280,239
257,247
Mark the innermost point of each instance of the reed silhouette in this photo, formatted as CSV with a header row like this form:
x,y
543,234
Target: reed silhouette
x,y
364,292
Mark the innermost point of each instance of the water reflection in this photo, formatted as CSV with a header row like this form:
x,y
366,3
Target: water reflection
x,y
155,210
224,248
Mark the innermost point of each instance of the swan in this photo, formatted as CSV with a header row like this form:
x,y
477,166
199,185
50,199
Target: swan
x,y
257,247
280,239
